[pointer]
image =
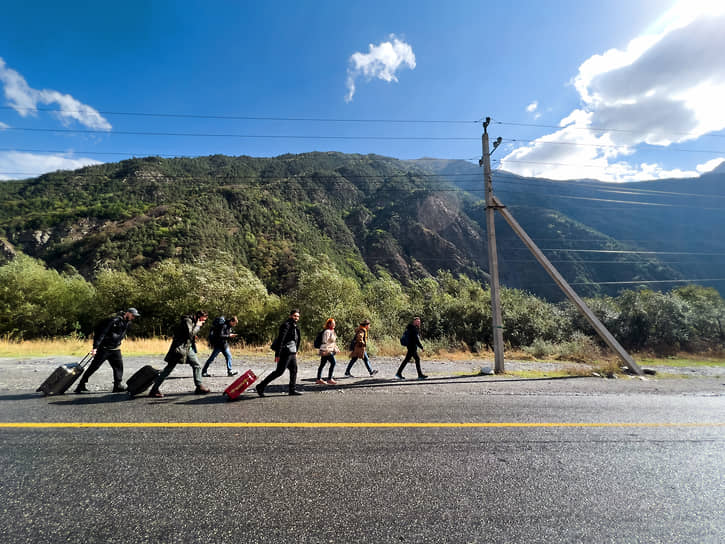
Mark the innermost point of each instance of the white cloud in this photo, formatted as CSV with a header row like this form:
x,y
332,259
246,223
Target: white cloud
x,y
3,125
24,99
382,62
664,87
19,165
531,108
709,166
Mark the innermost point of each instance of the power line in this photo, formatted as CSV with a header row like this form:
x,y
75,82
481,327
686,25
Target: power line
x,y
249,136
600,129
608,146
248,117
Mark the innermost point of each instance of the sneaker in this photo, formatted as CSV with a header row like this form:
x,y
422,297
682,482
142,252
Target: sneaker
x,y
399,377
374,371
422,377
348,375
120,388
321,382
331,382
81,389
232,373
156,394
260,391
201,390
205,375
295,393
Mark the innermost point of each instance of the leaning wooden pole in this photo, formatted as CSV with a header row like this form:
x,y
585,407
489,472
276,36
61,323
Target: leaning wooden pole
x,y
602,331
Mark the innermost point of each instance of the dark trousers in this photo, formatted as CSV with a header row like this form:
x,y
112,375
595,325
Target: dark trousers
x,y
114,358
323,361
412,354
287,360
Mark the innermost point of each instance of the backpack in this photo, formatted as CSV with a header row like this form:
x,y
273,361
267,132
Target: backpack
x,y
216,327
318,339
404,338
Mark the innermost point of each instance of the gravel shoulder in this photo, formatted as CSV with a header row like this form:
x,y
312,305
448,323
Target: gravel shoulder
x,y
25,374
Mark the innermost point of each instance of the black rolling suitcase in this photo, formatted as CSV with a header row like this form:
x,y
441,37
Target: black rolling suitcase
x,y
64,376
141,380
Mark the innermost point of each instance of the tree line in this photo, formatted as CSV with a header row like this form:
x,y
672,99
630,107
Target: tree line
x,y
40,302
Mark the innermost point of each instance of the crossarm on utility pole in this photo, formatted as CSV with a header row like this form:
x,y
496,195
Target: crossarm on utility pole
x,y
599,327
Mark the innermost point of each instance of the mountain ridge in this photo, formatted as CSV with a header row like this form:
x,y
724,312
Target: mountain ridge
x,y
363,212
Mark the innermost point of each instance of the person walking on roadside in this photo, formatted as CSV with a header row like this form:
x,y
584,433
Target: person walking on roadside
x,y
359,350
413,336
285,348
328,349
219,337
183,350
107,340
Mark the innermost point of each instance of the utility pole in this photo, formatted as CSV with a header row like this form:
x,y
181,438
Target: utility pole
x,y
493,204
492,254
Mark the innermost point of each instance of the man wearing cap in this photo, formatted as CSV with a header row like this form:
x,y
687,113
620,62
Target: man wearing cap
x,y
107,340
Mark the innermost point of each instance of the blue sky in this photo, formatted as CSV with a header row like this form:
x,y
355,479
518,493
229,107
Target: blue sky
x,y
397,78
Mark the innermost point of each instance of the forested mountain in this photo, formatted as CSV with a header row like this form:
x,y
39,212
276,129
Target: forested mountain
x,y
412,218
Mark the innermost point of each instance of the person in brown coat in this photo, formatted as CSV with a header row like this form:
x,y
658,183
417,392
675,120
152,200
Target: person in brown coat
x,y
359,349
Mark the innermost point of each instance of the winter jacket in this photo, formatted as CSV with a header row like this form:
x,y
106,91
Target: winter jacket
x,y
221,339
184,339
329,343
289,333
361,342
413,338
111,332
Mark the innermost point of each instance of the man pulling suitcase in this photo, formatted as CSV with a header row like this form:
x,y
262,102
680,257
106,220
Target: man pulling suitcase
x,y
107,347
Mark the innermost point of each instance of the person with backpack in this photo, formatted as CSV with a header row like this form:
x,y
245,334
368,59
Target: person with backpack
x,y
326,341
285,348
221,332
183,350
107,338
359,349
411,339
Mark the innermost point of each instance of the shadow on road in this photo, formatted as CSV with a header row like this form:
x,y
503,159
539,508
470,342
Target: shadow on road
x,y
22,396
456,380
79,400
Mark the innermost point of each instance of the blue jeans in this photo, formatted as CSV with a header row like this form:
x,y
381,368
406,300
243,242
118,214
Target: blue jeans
x,y
214,353
365,360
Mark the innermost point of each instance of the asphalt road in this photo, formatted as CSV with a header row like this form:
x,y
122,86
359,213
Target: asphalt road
x,y
458,458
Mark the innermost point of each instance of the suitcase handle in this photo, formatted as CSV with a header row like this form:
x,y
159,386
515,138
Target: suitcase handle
x,y
87,358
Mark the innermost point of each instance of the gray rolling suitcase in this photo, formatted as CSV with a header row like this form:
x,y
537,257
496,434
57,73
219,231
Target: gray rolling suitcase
x,y
64,376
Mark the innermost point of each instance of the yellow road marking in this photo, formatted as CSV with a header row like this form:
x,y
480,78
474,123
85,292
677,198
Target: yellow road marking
x,y
326,425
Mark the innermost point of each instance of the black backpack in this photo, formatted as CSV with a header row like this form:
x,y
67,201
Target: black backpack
x,y
318,339
404,338
216,328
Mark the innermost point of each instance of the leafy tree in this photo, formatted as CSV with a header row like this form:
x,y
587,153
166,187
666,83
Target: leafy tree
x,y
37,302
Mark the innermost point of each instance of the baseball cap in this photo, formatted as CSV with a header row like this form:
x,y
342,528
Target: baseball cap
x,y
133,312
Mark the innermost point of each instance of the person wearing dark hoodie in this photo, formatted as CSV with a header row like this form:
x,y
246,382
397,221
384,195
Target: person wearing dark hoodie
x,y
413,343
107,340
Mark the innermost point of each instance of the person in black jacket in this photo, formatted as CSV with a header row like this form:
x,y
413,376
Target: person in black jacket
x,y
285,353
107,347
183,350
413,333
219,340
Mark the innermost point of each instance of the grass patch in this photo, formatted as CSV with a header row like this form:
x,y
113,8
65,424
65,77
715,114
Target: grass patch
x,y
680,362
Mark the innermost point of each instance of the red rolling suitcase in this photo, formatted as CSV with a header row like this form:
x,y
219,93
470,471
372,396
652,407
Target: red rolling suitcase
x,y
64,376
240,385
